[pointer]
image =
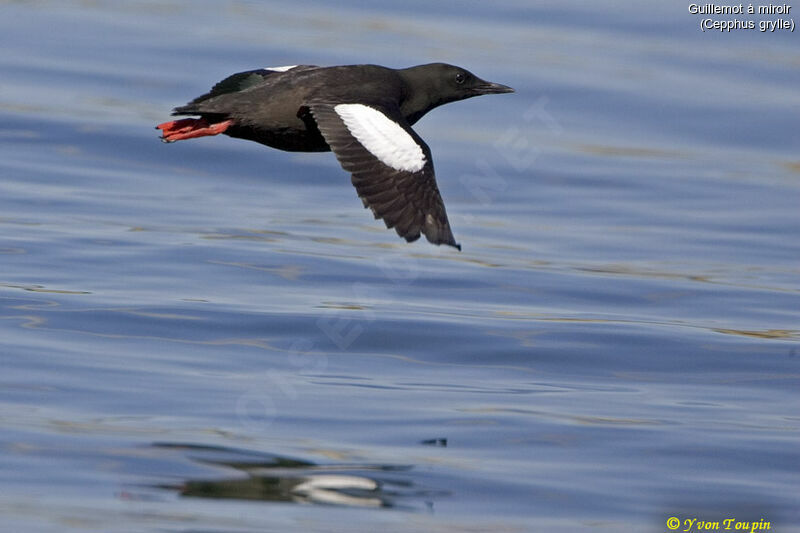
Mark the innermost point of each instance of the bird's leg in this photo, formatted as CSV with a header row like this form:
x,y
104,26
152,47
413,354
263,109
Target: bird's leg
x,y
189,128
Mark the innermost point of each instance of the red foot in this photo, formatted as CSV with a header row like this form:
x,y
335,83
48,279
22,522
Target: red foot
x,y
189,128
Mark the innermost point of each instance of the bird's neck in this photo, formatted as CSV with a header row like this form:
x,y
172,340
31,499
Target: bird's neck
x,y
419,100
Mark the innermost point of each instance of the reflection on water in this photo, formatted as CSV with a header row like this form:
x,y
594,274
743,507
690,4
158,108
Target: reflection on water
x,y
283,479
767,334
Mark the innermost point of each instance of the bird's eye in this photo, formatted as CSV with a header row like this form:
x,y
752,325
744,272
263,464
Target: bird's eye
x,y
460,78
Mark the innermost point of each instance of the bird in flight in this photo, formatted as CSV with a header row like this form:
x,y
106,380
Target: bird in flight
x,y
363,113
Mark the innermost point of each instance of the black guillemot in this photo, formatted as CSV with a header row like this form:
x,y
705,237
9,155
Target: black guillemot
x,y
363,113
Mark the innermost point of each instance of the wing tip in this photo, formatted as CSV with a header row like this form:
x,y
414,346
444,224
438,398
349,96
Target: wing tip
x,y
413,236
450,242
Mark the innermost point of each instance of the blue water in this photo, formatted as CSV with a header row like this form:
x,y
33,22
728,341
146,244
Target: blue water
x,y
213,336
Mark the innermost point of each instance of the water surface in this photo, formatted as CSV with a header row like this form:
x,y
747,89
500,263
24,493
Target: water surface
x,y
213,336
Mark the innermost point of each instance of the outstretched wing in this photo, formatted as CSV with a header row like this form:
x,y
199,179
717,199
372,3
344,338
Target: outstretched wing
x,y
391,167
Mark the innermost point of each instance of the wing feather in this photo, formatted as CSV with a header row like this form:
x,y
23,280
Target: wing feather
x,y
392,176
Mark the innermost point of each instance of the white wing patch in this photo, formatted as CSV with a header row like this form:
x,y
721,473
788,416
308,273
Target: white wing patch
x,y
280,69
383,137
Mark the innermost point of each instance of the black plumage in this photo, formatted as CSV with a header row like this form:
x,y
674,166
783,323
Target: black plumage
x,y
295,109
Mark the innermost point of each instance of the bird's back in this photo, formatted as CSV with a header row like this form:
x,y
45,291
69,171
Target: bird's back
x,y
267,106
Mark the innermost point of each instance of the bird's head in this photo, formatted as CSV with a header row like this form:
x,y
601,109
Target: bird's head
x,y
435,84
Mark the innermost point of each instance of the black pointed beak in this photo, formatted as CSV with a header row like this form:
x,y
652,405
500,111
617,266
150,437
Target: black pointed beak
x,y
487,87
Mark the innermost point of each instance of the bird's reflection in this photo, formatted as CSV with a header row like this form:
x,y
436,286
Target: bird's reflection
x,y
276,478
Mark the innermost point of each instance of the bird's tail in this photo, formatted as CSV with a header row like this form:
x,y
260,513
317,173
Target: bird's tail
x,y
189,128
